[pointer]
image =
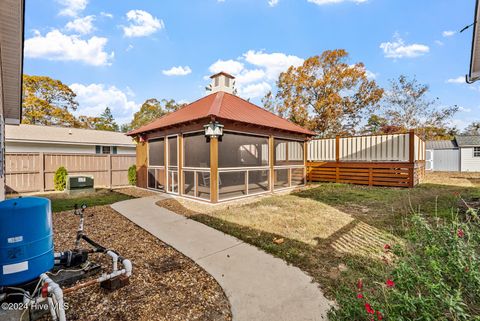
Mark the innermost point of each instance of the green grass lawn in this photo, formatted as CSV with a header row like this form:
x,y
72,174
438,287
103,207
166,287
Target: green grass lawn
x,y
376,217
63,202
385,207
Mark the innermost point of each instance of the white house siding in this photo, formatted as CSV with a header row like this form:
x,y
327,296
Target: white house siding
x,y
468,162
125,150
17,147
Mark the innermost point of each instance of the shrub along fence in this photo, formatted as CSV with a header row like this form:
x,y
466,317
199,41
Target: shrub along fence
x,y
377,160
34,172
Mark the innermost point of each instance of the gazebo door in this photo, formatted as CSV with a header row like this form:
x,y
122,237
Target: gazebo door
x,y
172,169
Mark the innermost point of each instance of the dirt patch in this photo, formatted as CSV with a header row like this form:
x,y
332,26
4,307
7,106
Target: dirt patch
x,y
293,217
464,179
165,284
135,192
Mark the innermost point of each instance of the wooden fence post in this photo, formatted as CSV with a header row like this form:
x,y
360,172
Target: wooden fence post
x,y
41,155
411,157
337,159
109,160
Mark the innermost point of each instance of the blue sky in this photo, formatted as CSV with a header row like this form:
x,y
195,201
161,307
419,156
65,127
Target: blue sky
x,y
119,53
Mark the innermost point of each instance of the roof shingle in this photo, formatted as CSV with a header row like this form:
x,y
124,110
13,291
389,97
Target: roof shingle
x,y
441,144
51,134
465,141
225,106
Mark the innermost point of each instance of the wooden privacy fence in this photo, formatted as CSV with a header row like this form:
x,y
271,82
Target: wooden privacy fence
x,y
34,172
377,160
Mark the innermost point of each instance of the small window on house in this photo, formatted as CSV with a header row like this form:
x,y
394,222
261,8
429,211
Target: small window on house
x,y
227,82
105,149
216,81
476,151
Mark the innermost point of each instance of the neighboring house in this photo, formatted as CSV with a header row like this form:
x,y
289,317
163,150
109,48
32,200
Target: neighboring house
x,y
460,154
11,65
49,139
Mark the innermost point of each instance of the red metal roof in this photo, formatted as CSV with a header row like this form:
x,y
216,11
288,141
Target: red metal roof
x,y
224,106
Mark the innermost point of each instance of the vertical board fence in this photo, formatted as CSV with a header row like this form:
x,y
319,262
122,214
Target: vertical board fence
x,y
377,160
34,172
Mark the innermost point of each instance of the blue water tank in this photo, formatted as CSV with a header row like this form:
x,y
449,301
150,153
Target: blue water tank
x,y
26,239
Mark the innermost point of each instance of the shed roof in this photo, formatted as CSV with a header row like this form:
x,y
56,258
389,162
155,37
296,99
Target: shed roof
x,y
64,135
468,141
225,106
441,144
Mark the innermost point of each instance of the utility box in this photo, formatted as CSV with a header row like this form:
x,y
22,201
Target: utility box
x,y
79,184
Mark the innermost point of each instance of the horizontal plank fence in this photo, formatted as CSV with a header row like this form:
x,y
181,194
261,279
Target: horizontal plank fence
x,y
377,160
34,172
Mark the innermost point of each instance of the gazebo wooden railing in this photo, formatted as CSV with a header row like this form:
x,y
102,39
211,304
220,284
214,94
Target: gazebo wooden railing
x,y
396,160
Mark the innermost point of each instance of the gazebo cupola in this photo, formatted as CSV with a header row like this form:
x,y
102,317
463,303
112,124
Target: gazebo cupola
x,y
223,82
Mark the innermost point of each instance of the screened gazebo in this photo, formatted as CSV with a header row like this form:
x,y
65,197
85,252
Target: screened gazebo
x,y
220,148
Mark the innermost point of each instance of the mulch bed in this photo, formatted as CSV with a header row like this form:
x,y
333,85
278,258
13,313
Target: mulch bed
x,y
165,284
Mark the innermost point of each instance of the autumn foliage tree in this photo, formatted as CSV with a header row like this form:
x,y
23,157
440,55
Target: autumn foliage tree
x,y
106,121
472,129
47,101
407,105
152,109
326,94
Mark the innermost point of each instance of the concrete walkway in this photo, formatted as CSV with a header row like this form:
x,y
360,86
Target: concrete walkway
x,y
258,286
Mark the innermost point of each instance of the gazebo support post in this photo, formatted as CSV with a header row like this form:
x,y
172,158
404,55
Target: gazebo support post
x,y
180,164
271,160
214,169
305,167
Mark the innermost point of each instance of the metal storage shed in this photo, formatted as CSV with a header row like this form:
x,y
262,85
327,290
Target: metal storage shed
x,y
442,156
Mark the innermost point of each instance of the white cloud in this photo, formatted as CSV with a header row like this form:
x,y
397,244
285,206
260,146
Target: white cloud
x,y
459,123
177,71
250,76
94,98
231,66
438,42
398,49
142,24
273,3
81,25
106,14
458,80
72,7
464,110
57,46
448,33
255,90
273,63
323,2
256,71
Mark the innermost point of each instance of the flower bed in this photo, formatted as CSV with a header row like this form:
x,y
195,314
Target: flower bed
x,y
435,276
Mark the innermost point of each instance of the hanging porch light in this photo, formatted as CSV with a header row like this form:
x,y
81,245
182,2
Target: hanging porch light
x,y
213,129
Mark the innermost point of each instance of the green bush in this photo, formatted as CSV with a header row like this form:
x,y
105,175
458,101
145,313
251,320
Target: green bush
x,y
434,276
60,179
132,175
